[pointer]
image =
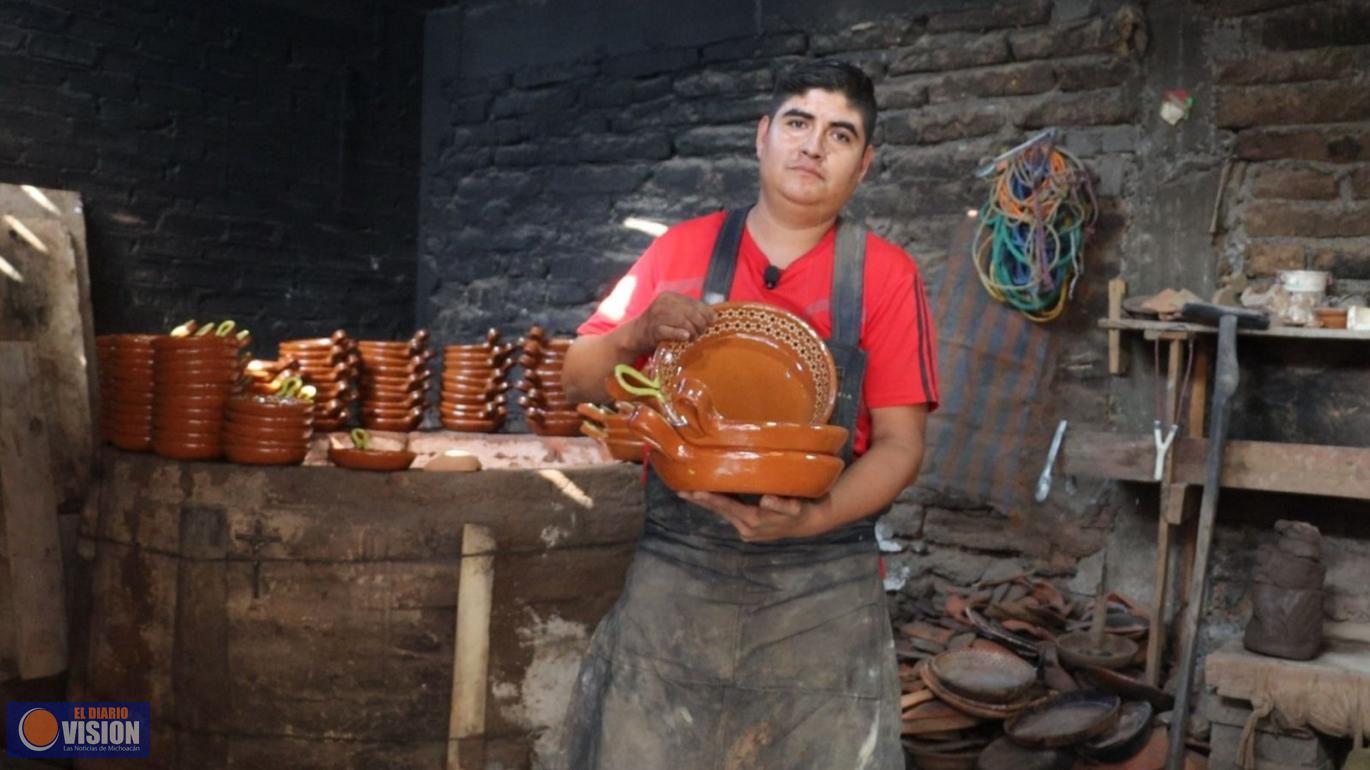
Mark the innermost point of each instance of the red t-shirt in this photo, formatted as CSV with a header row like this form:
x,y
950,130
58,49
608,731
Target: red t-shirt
x,y
896,331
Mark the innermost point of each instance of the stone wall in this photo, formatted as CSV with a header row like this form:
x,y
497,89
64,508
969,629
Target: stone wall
x,y
253,160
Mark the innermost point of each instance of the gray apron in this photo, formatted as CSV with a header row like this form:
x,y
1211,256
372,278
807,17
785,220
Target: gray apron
x,y
727,655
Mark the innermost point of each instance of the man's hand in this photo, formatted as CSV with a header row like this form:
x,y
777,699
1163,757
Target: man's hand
x,y
772,518
671,317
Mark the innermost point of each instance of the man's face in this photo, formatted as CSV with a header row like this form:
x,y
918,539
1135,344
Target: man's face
x,y
814,152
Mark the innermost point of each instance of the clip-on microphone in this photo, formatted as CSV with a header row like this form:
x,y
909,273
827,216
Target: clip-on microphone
x,y
771,276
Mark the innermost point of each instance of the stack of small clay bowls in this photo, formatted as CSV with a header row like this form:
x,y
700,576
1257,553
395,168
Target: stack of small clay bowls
x,y
544,401
193,377
394,382
124,362
473,385
268,430
331,364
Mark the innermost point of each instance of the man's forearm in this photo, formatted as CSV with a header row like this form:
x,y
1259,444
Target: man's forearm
x,y
872,482
590,359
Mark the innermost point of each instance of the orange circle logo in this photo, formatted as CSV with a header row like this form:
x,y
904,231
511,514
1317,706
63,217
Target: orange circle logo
x,y
38,729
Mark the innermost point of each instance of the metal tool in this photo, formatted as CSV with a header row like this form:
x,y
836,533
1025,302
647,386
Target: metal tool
x,y
1044,481
1162,445
1225,377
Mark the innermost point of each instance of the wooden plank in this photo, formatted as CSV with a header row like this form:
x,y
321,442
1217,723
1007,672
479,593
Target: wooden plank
x,y
1307,469
471,650
1288,332
1117,357
28,516
1155,643
45,299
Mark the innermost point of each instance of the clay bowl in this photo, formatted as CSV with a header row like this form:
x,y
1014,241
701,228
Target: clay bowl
x,y
943,755
380,423
453,399
485,382
130,398
168,403
269,430
407,380
470,425
392,360
394,395
487,412
241,441
1077,650
984,675
130,442
554,428
175,362
192,379
1004,754
385,412
1127,737
363,460
181,450
973,707
342,390
1127,687
401,347
207,342
245,454
1331,317
1065,719
270,407
331,424
340,372
399,368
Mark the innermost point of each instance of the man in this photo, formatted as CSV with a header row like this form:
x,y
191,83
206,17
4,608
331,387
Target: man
x,y
753,633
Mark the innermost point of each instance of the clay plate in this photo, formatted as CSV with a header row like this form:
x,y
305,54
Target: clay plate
x,y
760,364
984,675
1065,720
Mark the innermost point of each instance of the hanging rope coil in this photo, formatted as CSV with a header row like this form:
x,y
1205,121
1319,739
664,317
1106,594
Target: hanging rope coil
x,y
1029,246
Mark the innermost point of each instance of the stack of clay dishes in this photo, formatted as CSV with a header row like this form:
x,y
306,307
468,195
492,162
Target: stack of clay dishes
x,y
696,449
473,385
331,364
610,429
544,401
193,378
394,382
126,391
264,376
269,430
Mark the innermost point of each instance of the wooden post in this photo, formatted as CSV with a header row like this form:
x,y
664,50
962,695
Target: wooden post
x,y
471,649
1117,357
30,546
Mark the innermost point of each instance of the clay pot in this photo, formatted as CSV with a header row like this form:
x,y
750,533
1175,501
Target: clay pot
x,y
264,455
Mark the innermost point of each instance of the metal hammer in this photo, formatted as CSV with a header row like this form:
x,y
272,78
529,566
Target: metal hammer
x,y
1225,378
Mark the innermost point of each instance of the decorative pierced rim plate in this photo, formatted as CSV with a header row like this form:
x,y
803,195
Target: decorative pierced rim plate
x,y
788,374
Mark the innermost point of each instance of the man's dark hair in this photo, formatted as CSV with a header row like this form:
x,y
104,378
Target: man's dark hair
x,y
839,77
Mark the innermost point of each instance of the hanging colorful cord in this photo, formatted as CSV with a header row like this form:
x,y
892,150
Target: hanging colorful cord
x,y
1029,248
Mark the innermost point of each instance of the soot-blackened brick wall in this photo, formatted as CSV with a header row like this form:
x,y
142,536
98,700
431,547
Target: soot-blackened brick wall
x,y
254,160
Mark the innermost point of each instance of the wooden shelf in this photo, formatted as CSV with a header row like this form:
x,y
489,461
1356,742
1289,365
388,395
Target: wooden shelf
x,y
1303,469
1286,332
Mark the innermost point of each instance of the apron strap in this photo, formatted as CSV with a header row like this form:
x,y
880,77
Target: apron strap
x,y
846,307
718,284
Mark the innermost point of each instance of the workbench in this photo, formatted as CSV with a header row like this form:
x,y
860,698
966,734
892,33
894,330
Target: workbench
x,y
1312,469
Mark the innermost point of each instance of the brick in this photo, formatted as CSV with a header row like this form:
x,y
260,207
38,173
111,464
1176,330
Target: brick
x,y
62,49
1094,72
716,140
953,51
11,37
712,83
923,127
119,165
598,148
1086,108
1008,80
1338,145
1307,220
865,36
34,16
63,156
901,93
1024,13
651,62
1123,33
516,103
1244,106
1298,29
48,100
1349,259
598,179
1295,67
191,225
1268,257
1360,182
763,47
546,75
470,109
1299,183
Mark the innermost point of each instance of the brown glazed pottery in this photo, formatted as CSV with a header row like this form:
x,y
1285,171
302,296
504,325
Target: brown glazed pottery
x,y
685,467
467,425
363,460
187,451
265,455
380,423
715,432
